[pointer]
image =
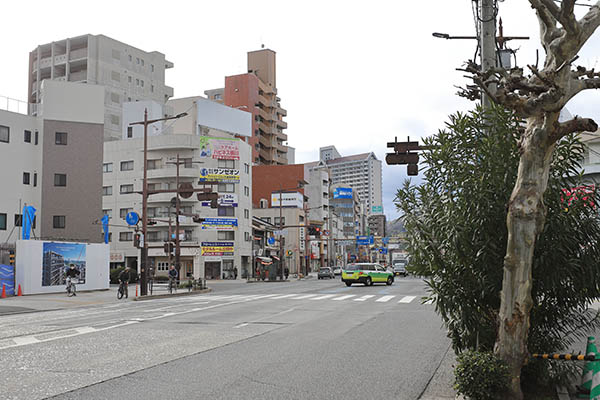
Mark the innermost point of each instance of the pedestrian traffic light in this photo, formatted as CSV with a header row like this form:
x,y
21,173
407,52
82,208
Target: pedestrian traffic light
x,y
168,247
136,240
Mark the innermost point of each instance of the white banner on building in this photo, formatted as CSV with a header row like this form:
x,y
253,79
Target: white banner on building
x,y
295,200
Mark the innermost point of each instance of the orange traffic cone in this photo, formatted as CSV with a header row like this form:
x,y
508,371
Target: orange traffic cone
x,y
3,296
19,293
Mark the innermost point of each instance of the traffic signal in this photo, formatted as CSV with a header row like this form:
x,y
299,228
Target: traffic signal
x,y
136,240
168,247
197,219
314,231
12,258
151,222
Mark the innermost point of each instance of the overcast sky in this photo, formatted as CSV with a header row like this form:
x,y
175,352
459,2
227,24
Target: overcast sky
x,y
353,74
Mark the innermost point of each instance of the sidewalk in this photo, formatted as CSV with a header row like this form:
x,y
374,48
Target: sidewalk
x,y
440,385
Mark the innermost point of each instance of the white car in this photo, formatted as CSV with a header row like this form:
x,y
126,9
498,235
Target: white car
x,y
337,270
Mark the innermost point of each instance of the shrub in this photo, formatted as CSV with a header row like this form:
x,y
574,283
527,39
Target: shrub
x,y
480,375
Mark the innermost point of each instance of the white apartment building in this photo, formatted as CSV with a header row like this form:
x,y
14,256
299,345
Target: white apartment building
x,y
51,161
362,172
212,249
126,72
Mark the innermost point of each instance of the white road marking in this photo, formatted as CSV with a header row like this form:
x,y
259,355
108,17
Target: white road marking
x,y
285,296
430,301
365,297
240,325
324,297
407,299
305,296
384,299
344,297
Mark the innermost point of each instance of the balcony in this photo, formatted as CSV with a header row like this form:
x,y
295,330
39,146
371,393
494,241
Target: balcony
x,y
60,59
282,112
170,171
282,136
265,154
78,76
265,128
166,198
78,54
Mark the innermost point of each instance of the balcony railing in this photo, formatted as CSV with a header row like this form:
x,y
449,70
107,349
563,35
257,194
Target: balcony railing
x,y
13,105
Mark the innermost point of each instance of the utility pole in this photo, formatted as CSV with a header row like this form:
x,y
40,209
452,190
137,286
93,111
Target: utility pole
x,y
488,42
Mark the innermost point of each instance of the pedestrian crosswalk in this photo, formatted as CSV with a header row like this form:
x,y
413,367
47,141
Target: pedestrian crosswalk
x,y
337,297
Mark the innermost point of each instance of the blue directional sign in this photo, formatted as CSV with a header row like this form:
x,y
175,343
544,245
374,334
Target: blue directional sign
x,y
132,218
364,240
271,240
385,240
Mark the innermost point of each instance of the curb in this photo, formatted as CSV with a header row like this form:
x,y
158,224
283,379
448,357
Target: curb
x,y
162,296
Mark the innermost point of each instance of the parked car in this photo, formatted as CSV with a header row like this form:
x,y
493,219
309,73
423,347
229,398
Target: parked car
x,y
337,270
366,273
325,272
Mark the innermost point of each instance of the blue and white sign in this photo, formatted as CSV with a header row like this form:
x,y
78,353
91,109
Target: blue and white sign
x,y
342,193
132,218
385,240
224,200
271,240
383,250
364,240
219,223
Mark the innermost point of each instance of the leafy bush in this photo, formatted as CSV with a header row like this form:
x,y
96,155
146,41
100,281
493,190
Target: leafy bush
x,y
457,235
480,375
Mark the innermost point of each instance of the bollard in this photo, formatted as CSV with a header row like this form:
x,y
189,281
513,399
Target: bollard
x,y
588,368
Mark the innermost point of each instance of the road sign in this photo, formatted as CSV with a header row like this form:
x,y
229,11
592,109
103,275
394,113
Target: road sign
x,y
271,240
289,253
132,218
402,158
186,190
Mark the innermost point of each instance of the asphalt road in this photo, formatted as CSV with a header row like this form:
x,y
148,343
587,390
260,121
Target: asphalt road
x,y
310,339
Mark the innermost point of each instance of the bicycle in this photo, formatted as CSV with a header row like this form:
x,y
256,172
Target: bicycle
x,y
71,289
172,285
123,290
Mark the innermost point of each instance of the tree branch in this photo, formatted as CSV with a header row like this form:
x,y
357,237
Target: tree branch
x,y
590,22
575,125
548,29
567,17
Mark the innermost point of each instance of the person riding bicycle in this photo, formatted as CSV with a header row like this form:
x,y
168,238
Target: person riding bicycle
x,y
173,275
124,278
71,273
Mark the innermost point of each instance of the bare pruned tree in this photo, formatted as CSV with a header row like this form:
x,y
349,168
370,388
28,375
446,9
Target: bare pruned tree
x,y
538,97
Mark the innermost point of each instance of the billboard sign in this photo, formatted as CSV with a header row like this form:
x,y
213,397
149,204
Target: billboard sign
x,y
217,248
218,116
57,258
377,209
219,148
342,193
219,175
219,223
294,200
224,200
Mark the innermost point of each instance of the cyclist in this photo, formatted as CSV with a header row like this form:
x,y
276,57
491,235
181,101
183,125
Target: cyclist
x,y
71,273
172,276
124,278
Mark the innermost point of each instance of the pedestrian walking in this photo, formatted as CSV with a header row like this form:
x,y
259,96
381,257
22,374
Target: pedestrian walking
x,y
286,271
235,273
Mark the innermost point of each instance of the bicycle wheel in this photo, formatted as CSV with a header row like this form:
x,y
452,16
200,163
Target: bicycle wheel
x,y
120,292
170,287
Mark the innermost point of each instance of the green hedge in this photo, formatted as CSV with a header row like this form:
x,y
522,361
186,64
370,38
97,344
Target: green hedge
x,y
480,375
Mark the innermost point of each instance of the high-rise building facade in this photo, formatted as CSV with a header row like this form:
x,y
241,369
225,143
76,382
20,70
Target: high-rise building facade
x,y
127,73
256,93
362,172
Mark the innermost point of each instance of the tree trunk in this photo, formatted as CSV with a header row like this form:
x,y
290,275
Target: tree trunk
x,y
525,220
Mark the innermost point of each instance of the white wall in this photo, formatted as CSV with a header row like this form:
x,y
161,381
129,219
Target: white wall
x,y
29,268
134,112
227,119
77,102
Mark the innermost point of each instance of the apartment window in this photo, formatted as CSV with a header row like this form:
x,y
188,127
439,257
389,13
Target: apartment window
x,y
130,131
247,214
127,165
59,221
153,164
107,167
276,222
27,136
115,76
124,211
129,56
152,88
152,67
226,211
115,98
60,138
152,212
129,79
60,179
106,190
226,163
37,136
142,83
26,178
116,54
18,220
107,212
266,219
226,235
142,62
226,187
4,135
2,222
34,179
217,96
137,82
246,190
109,237
137,60
125,236
247,168
115,120
126,189
246,236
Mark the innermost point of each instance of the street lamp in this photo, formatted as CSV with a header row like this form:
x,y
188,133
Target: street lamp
x,y
144,252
